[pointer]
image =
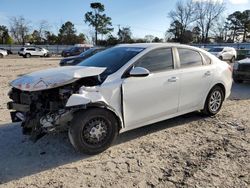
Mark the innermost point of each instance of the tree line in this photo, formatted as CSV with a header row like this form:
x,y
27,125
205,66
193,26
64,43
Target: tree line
x,y
191,22
203,22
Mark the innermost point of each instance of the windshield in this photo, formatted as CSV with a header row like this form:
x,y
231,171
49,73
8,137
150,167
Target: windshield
x,y
215,50
113,59
88,52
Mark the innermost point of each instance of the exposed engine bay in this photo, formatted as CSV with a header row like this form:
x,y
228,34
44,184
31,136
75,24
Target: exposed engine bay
x,y
43,111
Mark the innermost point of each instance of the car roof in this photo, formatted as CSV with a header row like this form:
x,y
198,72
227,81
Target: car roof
x,y
149,45
158,45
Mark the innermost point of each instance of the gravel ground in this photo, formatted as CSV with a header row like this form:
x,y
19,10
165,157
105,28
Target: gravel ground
x,y
188,151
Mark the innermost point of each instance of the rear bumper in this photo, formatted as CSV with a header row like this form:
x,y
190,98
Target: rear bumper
x,y
239,75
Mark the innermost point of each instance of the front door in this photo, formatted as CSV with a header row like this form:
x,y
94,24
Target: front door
x,y
149,98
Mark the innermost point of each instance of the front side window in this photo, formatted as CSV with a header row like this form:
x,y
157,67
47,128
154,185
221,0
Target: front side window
x,y
157,60
189,58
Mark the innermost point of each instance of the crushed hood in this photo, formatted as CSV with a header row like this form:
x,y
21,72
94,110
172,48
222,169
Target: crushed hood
x,y
55,77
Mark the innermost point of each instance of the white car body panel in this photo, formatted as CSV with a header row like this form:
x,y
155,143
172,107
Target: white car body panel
x,y
150,97
195,82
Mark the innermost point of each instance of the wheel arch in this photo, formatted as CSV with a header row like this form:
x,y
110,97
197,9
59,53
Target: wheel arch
x,y
102,105
221,85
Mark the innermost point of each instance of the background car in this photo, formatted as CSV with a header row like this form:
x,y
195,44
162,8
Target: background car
x,y
8,51
241,70
74,60
3,53
224,53
27,52
76,50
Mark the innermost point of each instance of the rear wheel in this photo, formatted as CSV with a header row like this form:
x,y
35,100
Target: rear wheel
x,y
214,101
93,131
27,55
1,55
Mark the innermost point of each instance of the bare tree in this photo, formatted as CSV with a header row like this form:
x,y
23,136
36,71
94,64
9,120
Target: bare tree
x,y
183,14
19,29
42,28
149,38
206,14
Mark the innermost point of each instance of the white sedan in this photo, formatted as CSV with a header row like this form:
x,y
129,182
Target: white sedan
x,y
120,89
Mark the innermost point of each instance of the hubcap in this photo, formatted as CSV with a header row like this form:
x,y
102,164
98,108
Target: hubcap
x,y
95,131
215,101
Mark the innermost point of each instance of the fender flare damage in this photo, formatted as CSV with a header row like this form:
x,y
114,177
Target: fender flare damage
x,y
92,100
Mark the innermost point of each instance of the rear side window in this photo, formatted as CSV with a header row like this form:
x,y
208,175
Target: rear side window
x,y
189,58
157,60
31,49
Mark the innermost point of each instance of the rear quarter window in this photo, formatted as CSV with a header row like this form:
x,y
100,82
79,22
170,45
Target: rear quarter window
x,y
206,59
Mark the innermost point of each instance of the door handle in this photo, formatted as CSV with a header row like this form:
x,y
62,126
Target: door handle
x,y
173,79
208,73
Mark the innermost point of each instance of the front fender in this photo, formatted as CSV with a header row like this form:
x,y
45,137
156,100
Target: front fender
x,y
92,99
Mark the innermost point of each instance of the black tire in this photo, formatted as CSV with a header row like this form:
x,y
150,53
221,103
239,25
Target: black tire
x,y
208,108
232,60
238,81
1,55
220,58
85,127
27,55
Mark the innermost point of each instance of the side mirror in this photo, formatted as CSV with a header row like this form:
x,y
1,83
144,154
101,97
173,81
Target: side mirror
x,y
139,72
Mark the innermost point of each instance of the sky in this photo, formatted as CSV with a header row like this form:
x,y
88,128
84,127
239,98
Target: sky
x,y
142,16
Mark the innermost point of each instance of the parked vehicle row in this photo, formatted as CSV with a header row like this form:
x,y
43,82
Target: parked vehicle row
x,y
117,90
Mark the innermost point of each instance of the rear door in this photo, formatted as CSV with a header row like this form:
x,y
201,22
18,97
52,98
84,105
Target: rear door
x,y
195,79
31,51
146,99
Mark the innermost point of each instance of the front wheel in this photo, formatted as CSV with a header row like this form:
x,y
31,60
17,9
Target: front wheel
x,y
27,55
93,131
1,55
214,101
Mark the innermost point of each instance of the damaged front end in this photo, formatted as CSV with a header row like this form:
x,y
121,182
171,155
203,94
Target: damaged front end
x,y
44,110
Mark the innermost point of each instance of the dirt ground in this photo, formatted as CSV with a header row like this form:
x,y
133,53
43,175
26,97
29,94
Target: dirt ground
x,y
188,151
